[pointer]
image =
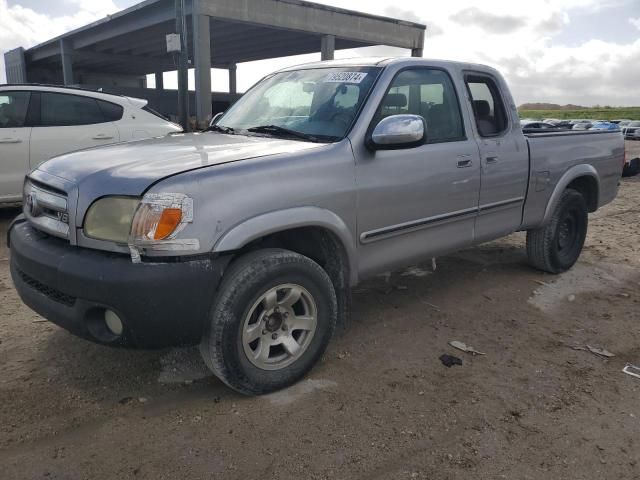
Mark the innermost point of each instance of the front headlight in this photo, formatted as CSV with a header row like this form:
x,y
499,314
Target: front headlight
x,y
110,219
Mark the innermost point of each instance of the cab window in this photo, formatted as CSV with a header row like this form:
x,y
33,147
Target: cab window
x,y
488,108
430,93
13,109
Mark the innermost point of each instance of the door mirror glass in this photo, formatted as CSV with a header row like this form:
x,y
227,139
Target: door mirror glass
x,y
399,131
215,118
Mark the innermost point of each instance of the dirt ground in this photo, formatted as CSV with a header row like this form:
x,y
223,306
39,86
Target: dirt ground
x,y
380,405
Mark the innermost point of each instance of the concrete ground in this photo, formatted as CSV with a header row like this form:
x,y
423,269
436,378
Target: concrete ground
x,y
380,405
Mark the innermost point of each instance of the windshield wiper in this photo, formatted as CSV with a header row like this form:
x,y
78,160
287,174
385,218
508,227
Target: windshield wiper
x,y
282,132
218,128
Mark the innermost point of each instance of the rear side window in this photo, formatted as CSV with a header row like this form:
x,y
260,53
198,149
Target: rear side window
x,y
150,110
430,93
13,109
110,111
61,110
488,108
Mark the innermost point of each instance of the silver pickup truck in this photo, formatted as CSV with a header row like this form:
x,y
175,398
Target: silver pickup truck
x,y
247,238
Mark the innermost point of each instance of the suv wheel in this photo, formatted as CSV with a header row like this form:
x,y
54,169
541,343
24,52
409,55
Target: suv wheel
x,y
271,321
555,248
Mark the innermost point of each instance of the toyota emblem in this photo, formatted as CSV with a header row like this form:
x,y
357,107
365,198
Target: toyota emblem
x,y
32,204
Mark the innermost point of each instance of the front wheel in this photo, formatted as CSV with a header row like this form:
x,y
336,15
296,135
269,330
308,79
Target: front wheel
x,y
272,319
555,248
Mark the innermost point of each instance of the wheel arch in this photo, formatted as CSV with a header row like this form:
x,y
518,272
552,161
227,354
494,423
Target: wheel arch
x,y
273,227
583,178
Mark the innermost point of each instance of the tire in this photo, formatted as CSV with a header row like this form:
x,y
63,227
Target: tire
x,y
632,168
247,307
555,248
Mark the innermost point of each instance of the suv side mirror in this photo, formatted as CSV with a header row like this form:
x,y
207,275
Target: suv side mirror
x,y
398,131
215,118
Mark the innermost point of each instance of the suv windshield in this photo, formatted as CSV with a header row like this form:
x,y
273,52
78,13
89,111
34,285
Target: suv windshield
x,y
316,104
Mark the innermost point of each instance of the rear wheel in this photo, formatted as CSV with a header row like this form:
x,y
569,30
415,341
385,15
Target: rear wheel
x,y
272,319
556,247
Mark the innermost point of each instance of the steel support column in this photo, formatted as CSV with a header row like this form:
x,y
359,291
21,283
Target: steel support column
x,y
327,47
66,55
233,79
159,80
183,66
202,60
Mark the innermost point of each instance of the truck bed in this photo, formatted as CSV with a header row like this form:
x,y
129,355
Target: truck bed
x,y
553,154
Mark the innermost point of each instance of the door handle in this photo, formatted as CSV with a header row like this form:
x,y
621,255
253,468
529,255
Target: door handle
x,y
10,140
467,162
490,160
102,136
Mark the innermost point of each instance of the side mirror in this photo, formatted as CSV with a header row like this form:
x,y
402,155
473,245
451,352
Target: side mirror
x,y
215,118
399,131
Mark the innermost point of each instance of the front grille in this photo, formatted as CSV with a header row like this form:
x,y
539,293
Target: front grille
x,y
52,293
46,208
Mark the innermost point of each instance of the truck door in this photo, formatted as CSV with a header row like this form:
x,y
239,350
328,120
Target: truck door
x,y
419,201
14,143
504,158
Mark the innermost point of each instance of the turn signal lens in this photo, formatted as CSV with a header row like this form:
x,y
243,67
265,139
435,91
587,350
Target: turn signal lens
x,y
169,221
160,217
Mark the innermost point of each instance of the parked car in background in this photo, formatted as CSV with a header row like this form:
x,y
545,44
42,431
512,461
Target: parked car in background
x,y
581,124
631,131
536,124
564,124
553,121
246,239
603,125
621,122
39,122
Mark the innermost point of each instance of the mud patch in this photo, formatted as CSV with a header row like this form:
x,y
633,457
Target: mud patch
x,y
302,389
182,365
415,272
583,278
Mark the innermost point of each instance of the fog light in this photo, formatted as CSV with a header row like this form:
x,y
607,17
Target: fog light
x,y
113,322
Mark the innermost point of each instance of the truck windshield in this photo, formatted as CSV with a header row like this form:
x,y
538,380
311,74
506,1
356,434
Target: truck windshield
x,y
314,104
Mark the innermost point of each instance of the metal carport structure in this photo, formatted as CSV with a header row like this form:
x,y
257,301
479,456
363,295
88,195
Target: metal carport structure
x,y
220,33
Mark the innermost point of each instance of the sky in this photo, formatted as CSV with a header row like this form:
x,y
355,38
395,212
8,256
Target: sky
x,y
584,52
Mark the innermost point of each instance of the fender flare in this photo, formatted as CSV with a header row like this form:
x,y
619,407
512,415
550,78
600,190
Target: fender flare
x,y
281,220
569,176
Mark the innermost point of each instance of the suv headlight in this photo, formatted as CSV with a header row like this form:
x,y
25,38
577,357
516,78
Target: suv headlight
x,y
110,219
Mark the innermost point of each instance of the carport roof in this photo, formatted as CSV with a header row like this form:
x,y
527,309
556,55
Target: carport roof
x,y
133,41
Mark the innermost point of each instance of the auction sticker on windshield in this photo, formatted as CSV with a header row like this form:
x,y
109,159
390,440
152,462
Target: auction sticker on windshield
x,y
345,77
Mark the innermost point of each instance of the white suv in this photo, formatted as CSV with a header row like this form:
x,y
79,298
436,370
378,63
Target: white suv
x,y
40,122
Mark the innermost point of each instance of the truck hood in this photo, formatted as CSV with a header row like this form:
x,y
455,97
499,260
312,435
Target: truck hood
x,y
130,168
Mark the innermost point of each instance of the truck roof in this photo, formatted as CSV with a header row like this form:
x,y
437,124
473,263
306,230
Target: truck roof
x,y
386,61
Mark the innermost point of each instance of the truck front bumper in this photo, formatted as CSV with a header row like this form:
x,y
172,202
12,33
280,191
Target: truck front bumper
x,y
159,304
